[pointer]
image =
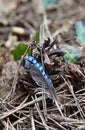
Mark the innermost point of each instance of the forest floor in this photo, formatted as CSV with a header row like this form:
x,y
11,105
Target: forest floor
x,y
54,35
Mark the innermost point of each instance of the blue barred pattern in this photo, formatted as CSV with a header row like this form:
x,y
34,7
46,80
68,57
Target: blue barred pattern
x,y
37,72
40,77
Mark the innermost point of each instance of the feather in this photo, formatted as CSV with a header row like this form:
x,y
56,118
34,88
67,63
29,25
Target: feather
x,y
40,77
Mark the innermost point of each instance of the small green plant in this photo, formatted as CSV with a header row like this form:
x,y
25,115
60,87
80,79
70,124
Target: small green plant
x,y
68,57
19,51
72,54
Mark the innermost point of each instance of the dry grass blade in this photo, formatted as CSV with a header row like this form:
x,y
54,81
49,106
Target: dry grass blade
x,y
53,94
76,124
44,103
40,114
32,121
75,98
80,72
10,125
10,112
40,124
63,119
21,119
60,126
47,29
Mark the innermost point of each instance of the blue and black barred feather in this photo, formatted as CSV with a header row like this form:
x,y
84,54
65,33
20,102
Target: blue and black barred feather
x,y
40,77
37,72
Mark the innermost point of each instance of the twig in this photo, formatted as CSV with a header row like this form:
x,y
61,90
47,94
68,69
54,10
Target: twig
x,y
6,114
75,99
60,126
32,121
40,114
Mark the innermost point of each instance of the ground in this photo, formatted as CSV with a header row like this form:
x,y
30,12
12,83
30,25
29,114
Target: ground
x,y
49,35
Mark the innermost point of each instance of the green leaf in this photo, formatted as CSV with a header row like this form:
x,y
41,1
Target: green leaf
x,y
80,32
19,51
68,57
47,3
36,37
